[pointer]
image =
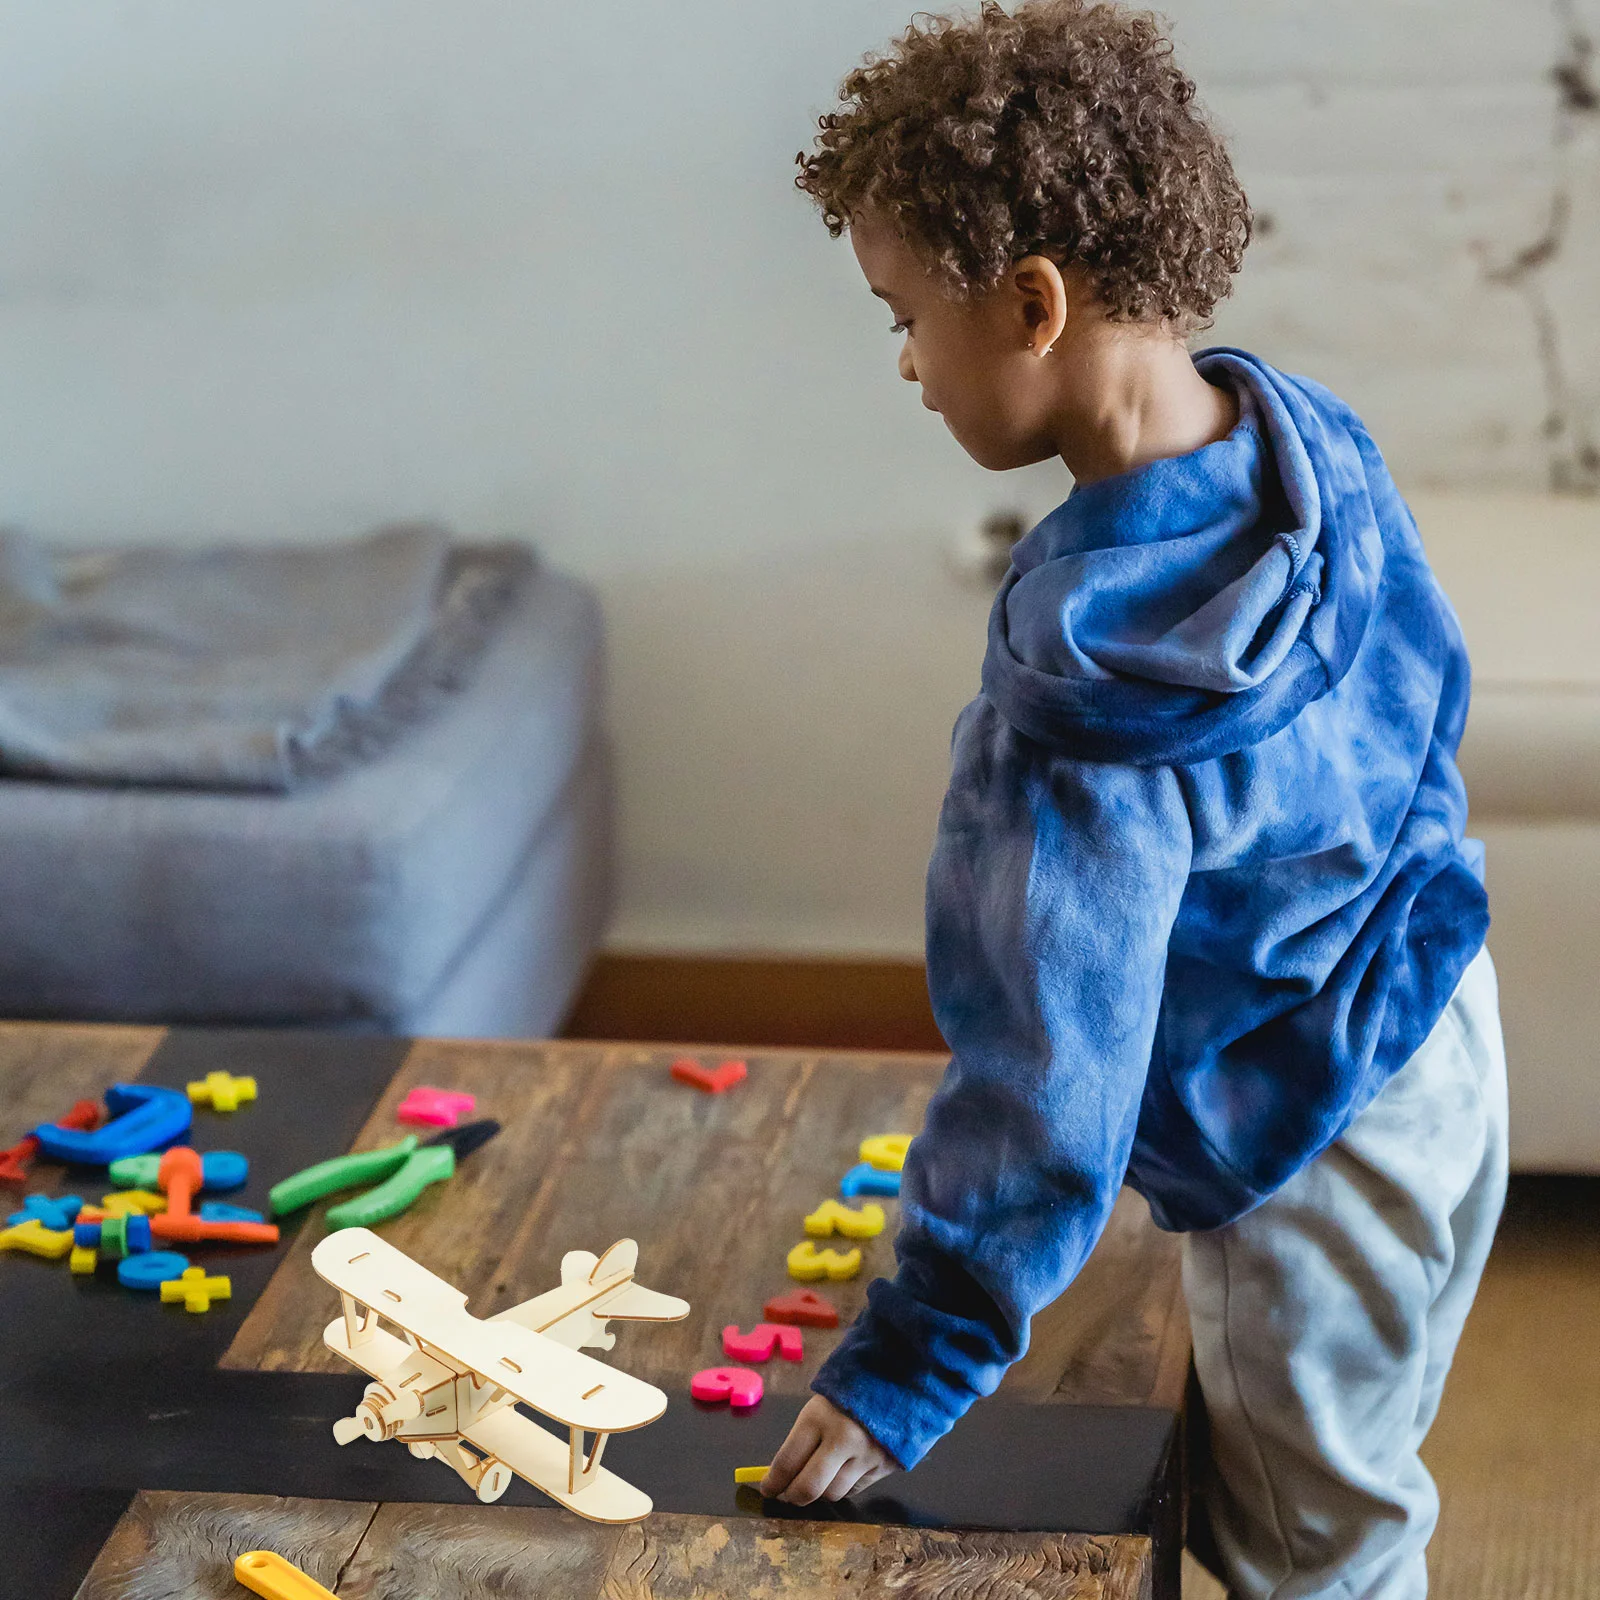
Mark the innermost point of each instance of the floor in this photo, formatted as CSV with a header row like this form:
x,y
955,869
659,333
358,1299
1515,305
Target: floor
x,y
1516,1449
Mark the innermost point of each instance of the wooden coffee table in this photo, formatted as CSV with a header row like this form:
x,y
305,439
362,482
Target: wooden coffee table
x,y
212,1435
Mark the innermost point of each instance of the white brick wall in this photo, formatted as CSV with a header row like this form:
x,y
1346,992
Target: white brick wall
x,y
1401,155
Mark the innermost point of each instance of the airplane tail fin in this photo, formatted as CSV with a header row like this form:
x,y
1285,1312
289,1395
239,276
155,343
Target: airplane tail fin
x,y
623,1256
577,1265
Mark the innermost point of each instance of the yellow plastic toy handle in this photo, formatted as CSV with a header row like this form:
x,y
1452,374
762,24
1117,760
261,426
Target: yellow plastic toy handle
x,y
270,1576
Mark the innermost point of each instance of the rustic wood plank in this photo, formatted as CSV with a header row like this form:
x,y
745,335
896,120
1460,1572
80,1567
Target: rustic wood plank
x,y
456,1552
171,1544
686,1558
452,1552
715,1188
185,1544
456,1229
600,1143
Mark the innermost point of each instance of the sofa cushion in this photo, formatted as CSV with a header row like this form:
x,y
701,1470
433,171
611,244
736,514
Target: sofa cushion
x,y
520,972
343,901
1524,574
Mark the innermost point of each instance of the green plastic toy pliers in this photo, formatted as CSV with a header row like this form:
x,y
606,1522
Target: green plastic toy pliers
x,y
406,1169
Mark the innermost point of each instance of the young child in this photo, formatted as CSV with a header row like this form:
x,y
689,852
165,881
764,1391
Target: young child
x,y
1200,915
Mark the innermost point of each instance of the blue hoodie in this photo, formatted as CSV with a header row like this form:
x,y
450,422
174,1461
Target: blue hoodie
x,y
1199,887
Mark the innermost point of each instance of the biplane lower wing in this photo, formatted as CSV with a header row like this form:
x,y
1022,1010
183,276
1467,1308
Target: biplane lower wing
x,y
568,1387
550,1464
530,1451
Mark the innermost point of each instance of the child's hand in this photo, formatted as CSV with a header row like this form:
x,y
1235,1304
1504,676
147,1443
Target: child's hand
x,y
827,1455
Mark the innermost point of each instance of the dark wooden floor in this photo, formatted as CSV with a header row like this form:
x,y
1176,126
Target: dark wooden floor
x,y
844,1004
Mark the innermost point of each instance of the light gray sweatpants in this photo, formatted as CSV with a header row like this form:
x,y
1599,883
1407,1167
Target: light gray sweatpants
x,y
1326,1319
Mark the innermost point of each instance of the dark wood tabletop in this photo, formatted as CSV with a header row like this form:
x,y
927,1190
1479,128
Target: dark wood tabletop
x,y
598,1142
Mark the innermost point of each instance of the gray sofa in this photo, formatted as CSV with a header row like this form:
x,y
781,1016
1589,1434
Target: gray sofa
x,y
454,885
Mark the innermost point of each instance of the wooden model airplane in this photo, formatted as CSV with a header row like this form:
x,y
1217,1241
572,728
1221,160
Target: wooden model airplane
x,y
449,1385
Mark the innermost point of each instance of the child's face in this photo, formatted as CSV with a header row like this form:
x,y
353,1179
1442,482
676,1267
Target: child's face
x,y
979,361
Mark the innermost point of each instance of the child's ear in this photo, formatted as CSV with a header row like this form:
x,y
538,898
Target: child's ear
x,y
1044,296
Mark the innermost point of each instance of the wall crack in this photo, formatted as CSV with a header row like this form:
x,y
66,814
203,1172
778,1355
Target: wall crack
x,y
1569,431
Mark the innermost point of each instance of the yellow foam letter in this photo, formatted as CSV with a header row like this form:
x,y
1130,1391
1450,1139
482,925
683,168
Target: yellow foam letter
x,y
886,1151
808,1264
832,1217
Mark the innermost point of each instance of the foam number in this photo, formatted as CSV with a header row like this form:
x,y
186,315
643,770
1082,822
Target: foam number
x,y
808,1264
761,1341
737,1385
152,1270
805,1307
864,1178
886,1151
831,1217
687,1070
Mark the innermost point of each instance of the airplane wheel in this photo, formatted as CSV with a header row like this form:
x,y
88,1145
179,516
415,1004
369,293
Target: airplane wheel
x,y
495,1481
423,1452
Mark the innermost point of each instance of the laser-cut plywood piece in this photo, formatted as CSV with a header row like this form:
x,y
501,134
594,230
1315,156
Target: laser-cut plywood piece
x,y
449,1384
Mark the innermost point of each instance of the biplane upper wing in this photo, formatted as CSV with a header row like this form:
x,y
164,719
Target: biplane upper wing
x,y
571,1388
356,1261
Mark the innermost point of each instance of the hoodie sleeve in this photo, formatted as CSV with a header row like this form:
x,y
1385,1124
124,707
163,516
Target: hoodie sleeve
x,y
1052,892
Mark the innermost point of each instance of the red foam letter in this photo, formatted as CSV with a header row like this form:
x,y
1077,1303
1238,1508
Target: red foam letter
x,y
687,1070
803,1306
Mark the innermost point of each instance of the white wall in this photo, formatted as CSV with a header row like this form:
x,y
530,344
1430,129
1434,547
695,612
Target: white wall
x,y
280,271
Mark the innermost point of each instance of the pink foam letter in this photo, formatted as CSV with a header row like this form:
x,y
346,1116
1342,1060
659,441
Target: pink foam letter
x,y
757,1345
737,1385
434,1108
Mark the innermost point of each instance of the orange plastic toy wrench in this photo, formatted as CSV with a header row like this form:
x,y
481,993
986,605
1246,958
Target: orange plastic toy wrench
x,y
267,1574
180,1177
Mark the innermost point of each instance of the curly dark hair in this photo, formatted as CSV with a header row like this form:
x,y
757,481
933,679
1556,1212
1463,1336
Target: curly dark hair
x,y
1065,130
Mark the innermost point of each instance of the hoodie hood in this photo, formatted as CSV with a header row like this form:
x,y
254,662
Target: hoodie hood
x,y
1192,606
